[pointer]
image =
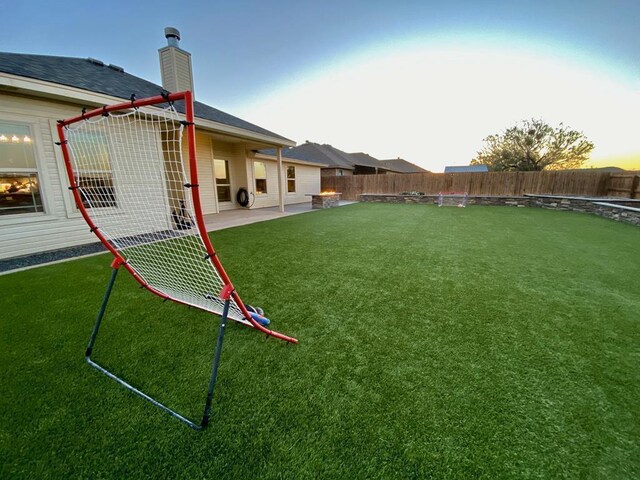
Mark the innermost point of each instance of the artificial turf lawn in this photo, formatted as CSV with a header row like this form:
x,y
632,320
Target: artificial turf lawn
x,y
485,342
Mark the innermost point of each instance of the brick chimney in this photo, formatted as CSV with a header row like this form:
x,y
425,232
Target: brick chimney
x,y
175,63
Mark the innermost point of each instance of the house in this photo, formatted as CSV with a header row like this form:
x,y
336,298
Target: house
x,y
365,164
336,162
400,165
466,169
37,211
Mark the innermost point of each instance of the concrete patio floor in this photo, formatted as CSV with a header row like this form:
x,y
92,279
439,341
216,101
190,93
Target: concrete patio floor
x,y
235,218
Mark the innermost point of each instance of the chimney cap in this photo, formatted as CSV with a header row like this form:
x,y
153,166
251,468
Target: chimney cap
x,y
170,32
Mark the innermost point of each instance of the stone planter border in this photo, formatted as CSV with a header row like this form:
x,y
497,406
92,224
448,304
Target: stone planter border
x,y
619,209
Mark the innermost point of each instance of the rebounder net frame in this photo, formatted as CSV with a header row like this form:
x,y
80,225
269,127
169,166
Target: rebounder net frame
x,y
126,169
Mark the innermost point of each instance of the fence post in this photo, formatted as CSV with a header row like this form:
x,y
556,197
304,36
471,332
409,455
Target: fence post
x,y
605,183
633,192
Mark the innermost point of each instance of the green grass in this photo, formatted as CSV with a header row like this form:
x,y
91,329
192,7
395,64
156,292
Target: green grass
x,y
487,342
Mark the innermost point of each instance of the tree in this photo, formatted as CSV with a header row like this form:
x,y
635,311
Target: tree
x,y
533,145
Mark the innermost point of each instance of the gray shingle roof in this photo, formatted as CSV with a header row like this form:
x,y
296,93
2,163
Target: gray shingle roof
x,y
96,77
403,166
366,160
316,153
466,168
330,156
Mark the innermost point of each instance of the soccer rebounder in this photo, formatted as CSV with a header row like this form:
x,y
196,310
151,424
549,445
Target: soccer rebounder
x,y
125,168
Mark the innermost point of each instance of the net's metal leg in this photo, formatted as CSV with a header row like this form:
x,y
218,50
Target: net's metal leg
x,y
143,395
103,307
216,362
94,334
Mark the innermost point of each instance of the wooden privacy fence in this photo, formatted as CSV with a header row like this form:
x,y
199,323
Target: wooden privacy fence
x,y
584,183
624,185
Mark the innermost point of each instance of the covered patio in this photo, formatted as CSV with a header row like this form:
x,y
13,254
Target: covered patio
x,y
237,217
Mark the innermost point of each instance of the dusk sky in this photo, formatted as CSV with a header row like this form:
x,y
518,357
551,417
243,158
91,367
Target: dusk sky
x,y
425,81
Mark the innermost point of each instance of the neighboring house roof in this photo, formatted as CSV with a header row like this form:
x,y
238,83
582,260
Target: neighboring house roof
x,y
330,156
607,169
272,155
466,169
366,160
403,166
325,155
95,76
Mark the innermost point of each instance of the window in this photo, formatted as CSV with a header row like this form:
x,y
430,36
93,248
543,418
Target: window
x,y
260,170
340,173
96,190
223,182
19,185
90,151
291,179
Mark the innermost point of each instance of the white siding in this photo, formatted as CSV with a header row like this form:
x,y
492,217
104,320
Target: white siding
x,y
269,199
240,175
307,181
204,160
175,69
60,225
224,151
139,182
207,149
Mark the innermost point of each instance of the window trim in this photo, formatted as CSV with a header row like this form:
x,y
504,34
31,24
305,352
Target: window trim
x,y
67,195
294,180
216,184
256,178
45,186
24,173
107,209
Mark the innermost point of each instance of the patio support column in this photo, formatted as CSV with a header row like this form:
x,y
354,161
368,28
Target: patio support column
x,y
280,182
215,188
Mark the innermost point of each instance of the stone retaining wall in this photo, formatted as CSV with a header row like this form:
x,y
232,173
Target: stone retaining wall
x,y
614,209
617,212
433,199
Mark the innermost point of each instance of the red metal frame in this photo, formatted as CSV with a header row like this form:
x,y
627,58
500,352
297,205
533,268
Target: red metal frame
x,y
195,195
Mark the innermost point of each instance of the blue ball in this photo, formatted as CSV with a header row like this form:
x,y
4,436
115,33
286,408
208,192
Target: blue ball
x,y
264,321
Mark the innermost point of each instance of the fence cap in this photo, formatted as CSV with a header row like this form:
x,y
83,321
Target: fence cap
x,y
615,205
577,197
